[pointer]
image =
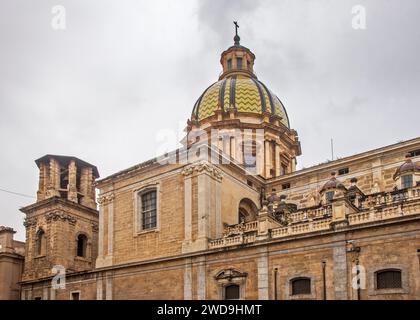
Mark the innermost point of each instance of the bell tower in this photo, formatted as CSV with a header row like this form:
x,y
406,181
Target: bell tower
x,y
62,225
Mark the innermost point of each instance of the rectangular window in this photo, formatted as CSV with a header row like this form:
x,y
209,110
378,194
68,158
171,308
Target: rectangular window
x,y
415,153
285,186
239,63
301,286
232,292
329,195
343,171
75,295
250,154
283,170
148,210
388,279
406,181
229,64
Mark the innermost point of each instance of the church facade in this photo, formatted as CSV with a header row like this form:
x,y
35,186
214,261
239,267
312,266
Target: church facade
x,y
228,216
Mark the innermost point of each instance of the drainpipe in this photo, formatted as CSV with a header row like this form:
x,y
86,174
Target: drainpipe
x,y
262,196
324,281
358,279
275,283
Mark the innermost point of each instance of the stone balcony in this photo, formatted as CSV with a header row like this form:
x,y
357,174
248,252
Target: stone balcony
x,y
339,214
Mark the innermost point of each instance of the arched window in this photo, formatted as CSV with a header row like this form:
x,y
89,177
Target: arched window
x,y
388,279
229,64
239,63
243,214
247,210
40,243
232,292
81,245
301,285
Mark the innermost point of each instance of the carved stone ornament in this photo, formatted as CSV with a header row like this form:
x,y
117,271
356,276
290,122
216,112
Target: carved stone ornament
x,y
201,167
103,200
230,274
282,211
283,217
3,228
30,222
57,215
95,227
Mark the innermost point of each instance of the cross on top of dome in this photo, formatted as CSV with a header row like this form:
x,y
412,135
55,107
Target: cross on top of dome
x,y
236,38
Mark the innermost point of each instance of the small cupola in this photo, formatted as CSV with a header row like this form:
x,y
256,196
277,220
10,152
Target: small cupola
x,y
237,59
332,188
408,174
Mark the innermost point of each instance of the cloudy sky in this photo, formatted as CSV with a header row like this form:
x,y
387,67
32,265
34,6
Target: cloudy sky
x,y
122,72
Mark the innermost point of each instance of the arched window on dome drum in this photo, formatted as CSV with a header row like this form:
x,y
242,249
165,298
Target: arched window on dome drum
x,y
229,64
40,244
301,285
232,292
388,279
239,63
81,245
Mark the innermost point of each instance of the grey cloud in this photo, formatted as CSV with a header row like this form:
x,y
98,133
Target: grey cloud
x,y
123,70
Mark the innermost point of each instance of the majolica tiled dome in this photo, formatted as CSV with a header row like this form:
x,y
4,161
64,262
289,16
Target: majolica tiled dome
x,y
246,94
238,89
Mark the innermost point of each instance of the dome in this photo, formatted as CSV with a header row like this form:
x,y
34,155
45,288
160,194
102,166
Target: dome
x,y
333,183
406,167
244,93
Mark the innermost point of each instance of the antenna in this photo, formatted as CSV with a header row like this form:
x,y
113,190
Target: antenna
x,y
332,149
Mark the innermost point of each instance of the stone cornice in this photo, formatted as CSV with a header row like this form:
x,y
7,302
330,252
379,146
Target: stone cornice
x,y
6,229
332,165
54,201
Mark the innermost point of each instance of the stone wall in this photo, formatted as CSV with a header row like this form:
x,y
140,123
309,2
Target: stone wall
x,y
394,245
